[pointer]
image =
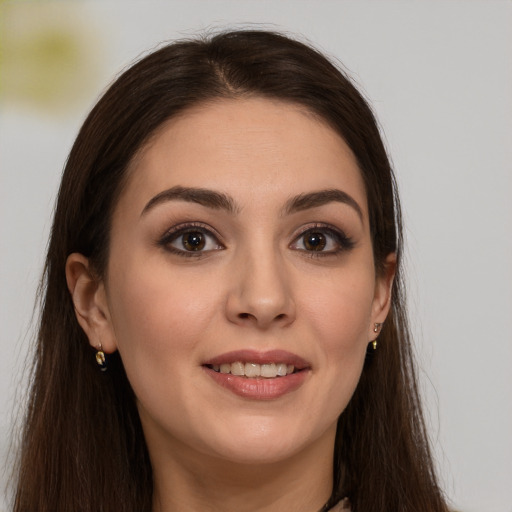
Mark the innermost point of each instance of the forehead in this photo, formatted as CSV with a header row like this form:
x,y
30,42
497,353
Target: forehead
x,y
254,149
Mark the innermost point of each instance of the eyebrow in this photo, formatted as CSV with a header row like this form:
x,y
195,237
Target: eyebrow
x,y
202,196
320,198
221,201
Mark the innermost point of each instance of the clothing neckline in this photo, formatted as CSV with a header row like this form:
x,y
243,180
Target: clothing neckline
x,y
343,505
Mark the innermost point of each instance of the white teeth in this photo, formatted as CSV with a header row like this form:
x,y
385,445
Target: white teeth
x,y
237,368
253,370
268,370
281,369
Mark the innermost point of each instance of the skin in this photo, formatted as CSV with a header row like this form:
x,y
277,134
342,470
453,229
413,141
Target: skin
x,y
255,285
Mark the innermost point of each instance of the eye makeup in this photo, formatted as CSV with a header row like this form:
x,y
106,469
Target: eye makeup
x,y
191,239
322,240
196,239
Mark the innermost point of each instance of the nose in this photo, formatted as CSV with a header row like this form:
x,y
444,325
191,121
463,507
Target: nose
x,y
261,293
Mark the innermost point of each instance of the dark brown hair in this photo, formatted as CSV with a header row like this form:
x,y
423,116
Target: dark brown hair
x,y
83,446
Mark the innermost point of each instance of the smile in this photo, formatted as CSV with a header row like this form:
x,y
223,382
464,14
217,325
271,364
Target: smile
x,y
253,370
256,375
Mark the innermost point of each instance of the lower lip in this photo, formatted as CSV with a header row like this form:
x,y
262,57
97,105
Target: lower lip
x,y
258,388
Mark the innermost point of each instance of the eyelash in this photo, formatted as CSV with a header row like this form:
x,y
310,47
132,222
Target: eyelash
x,y
342,241
181,230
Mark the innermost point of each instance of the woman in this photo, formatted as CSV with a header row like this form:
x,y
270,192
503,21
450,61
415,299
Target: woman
x,y
226,246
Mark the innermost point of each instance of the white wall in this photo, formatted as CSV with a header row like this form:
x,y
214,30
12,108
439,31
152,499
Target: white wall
x,y
439,75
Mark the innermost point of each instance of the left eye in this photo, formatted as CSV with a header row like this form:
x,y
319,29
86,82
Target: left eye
x,y
320,240
192,240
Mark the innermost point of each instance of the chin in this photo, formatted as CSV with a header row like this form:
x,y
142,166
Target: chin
x,y
258,452
267,443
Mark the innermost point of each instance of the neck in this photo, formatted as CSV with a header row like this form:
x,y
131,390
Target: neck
x,y
190,482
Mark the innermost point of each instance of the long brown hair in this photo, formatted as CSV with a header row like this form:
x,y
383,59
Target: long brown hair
x,y
83,446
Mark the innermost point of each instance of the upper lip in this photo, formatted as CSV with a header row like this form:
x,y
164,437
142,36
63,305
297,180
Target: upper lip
x,y
259,357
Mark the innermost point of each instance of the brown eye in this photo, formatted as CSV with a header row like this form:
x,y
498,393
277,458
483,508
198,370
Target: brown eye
x,y
193,241
322,240
314,241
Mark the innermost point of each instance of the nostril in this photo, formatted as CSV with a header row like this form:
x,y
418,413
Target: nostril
x,y
245,316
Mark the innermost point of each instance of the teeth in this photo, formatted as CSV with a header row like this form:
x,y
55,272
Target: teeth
x,y
252,370
237,368
268,370
282,369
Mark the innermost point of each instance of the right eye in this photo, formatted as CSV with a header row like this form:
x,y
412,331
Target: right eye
x,y
191,241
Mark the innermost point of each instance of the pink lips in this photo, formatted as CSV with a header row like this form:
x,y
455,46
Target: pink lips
x,y
259,388
252,356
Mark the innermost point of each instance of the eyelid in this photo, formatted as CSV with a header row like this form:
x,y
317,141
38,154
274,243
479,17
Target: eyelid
x,y
344,241
175,232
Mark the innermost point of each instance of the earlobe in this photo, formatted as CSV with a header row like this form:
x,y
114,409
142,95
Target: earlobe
x,y
90,302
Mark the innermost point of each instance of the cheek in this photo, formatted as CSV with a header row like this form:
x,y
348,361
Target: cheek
x,y
158,316
160,319
340,310
339,317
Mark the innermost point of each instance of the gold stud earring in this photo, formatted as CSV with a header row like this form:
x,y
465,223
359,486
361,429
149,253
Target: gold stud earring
x,y
376,327
100,358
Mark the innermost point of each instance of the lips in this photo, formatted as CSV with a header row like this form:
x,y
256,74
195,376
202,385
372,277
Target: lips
x,y
253,356
258,375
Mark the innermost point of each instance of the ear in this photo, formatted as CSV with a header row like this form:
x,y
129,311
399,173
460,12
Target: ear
x,y
90,302
382,295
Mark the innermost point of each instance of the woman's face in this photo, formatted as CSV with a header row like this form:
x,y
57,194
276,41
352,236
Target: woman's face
x,y
241,291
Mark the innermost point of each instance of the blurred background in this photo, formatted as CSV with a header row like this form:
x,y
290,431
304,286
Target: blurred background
x,y
439,76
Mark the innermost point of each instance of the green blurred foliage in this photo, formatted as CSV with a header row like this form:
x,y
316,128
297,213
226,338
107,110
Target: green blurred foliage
x,y
49,54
